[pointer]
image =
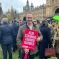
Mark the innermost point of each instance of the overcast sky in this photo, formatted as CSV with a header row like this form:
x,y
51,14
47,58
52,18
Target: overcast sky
x,y
19,4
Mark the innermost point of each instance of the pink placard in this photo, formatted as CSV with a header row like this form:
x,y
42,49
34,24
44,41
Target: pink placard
x,y
29,39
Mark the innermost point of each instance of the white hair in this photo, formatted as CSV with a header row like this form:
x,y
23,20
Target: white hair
x,y
5,20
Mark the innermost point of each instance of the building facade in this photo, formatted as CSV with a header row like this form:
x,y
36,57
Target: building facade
x,y
48,10
41,12
12,13
38,12
52,8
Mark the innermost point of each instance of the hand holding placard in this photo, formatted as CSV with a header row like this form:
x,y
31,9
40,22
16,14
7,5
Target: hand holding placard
x,y
26,51
38,39
29,41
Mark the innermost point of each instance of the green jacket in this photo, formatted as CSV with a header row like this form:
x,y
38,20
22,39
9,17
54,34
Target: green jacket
x,y
55,28
52,30
57,42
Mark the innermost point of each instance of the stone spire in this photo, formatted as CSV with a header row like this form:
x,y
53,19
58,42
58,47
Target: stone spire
x,y
27,2
11,9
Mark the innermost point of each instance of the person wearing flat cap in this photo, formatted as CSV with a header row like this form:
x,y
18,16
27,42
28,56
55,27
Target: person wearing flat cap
x,y
35,22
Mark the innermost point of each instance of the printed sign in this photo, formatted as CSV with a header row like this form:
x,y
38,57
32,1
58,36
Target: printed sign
x,y
29,39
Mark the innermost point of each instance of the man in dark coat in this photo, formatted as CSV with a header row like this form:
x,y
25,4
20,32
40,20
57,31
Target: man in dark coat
x,y
12,22
15,32
6,32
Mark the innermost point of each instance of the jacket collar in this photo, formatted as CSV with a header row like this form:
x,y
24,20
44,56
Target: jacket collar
x,y
32,27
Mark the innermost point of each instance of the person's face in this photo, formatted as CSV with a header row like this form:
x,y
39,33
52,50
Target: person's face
x,y
53,23
2,22
20,21
35,23
29,18
50,22
16,22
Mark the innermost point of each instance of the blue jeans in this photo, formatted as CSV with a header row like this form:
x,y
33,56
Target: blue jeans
x,y
30,56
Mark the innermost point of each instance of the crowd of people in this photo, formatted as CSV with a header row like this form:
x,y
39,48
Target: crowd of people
x,y
11,35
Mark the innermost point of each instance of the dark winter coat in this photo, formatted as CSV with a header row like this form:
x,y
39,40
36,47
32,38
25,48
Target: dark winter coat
x,y
15,31
22,23
46,40
6,33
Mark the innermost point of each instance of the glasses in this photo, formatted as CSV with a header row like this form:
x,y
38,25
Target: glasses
x,y
29,18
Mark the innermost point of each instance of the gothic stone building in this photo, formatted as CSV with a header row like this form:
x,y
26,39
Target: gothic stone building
x,y
12,13
48,10
41,12
52,8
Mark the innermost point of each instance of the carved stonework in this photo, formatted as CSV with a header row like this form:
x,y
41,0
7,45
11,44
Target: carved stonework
x,y
50,10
